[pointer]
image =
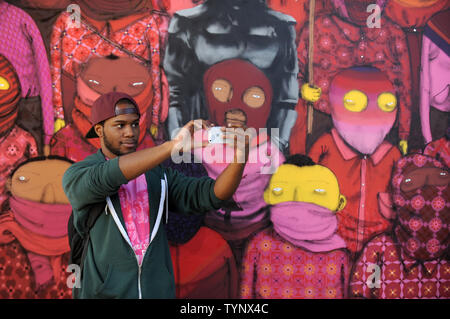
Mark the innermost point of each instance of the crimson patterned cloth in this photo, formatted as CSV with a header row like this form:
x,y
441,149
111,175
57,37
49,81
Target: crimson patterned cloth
x,y
15,147
439,148
401,277
273,268
17,280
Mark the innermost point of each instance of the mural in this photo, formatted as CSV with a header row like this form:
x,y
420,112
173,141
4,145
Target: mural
x,y
98,76
301,255
346,188
34,245
218,30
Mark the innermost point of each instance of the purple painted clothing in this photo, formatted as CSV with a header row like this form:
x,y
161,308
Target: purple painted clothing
x,y
21,43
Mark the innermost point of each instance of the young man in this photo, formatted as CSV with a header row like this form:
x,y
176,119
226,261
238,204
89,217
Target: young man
x,y
128,255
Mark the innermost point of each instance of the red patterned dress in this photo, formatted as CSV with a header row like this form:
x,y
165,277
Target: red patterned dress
x,y
273,268
17,278
400,276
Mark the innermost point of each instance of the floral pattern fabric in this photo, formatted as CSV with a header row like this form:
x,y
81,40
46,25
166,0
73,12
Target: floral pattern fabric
x,y
284,271
400,277
15,147
17,279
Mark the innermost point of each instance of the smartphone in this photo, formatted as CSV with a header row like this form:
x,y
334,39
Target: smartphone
x,y
215,135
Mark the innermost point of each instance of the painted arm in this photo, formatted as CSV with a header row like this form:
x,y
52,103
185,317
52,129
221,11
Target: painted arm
x,y
43,74
425,90
56,58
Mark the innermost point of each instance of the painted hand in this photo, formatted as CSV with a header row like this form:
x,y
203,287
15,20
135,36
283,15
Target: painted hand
x,y
403,145
310,94
59,124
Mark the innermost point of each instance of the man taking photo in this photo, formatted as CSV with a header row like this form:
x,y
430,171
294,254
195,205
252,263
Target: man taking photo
x,y
128,254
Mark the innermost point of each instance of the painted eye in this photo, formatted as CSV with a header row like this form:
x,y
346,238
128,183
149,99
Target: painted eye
x,y
4,84
254,97
277,190
94,81
355,101
222,90
408,180
22,178
320,191
443,173
387,102
137,83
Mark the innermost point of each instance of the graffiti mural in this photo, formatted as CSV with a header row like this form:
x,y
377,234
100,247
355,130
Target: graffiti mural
x,y
347,102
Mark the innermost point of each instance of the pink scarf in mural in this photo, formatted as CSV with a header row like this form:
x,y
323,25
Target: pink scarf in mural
x,y
41,229
307,226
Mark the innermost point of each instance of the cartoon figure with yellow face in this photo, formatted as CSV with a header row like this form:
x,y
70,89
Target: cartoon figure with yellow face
x,y
301,256
363,109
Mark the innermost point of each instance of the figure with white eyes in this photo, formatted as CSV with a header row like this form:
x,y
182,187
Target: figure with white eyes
x,y
411,260
16,144
219,30
126,28
34,248
301,256
97,77
363,108
239,95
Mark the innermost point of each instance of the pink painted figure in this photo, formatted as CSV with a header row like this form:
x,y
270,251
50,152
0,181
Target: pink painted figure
x,y
21,43
435,71
363,110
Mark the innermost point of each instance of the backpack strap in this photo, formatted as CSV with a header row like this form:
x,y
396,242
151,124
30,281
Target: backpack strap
x,y
94,213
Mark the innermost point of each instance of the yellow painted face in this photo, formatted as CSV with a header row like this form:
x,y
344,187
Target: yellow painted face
x,y
312,184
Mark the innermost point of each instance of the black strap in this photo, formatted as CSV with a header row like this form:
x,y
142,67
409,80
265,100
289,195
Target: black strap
x,y
94,213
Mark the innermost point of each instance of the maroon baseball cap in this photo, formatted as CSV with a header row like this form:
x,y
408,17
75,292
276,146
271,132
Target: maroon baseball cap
x,y
105,108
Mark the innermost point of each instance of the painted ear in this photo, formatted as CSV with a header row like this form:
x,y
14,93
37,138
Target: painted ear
x,y
342,203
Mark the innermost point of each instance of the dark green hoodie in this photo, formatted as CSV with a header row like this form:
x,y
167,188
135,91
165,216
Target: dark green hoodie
x,y
110,268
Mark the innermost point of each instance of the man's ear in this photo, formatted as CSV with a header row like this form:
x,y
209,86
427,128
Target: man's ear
x,y
98,128
342,203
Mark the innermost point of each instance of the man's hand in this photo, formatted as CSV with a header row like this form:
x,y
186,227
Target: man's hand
x,y
228,181
239,138
184,139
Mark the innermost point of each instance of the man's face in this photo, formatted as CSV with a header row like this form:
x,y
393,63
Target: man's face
x,y
119,135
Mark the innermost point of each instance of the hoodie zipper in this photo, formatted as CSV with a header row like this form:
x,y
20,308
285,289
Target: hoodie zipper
x,y
113,212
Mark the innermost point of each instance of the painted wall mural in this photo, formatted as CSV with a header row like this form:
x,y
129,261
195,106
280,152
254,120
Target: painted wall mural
x,y
347,185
